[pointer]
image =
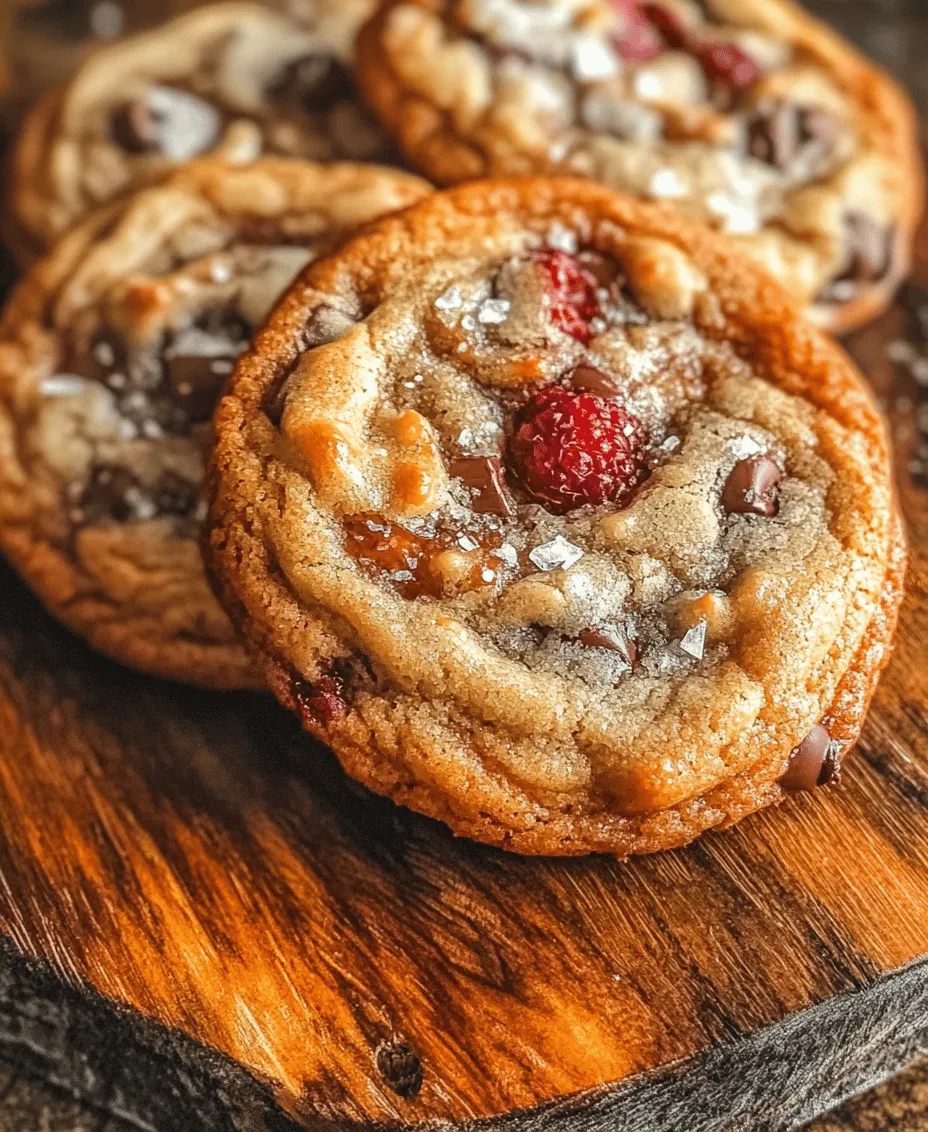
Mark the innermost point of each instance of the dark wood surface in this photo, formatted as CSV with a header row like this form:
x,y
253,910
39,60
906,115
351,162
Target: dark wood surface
x,y
314,957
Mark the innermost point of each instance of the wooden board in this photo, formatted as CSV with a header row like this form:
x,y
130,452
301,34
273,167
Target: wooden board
x,y
193,858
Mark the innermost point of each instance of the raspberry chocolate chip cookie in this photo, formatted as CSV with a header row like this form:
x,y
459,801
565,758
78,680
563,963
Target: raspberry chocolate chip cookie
x,y
113,352
229,80
549,513
748,115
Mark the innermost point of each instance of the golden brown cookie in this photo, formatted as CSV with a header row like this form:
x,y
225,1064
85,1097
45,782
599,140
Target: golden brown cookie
x,y
232,80
551,514
113,352
750,116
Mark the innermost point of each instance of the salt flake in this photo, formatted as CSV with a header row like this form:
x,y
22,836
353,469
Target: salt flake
x,y
492,312
507,553
558,554
560,237
450,300
694,641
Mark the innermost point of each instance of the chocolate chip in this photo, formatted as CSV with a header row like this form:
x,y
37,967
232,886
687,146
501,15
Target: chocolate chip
x,y
400,1067
135,127
869,246
169,121
315,83
483,475
816,124
779,133
811,764
773,135
109,494
173,494
616,640
751,488
593,380
106,357
197,382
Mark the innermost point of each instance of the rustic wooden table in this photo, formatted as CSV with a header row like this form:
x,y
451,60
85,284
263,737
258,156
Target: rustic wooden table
x,y
895,32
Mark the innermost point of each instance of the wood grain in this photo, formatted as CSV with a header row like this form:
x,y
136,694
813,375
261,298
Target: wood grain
x,y
194,858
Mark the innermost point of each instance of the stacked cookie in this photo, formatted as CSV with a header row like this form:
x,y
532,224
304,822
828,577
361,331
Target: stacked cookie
x,y
547,508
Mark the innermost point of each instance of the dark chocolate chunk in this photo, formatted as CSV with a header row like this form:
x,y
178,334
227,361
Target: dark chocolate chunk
x,y
106,357
779,133
751,488
593,380
173,494
314,82
811,764
136,127
773,136
818,125
109,494
483,475
169,121
869,246
616,640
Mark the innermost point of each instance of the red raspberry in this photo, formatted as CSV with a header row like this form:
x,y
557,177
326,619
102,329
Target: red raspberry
x,y
669,23
639,40
727,64
573,448
571,292
319,704
724,63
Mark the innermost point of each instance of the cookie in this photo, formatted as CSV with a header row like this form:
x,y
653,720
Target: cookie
x,y
750,116
113,352
548,511
228,80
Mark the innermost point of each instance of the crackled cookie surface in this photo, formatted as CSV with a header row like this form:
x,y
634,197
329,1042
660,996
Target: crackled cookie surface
x,y
747,115
229,80
556,521
113,353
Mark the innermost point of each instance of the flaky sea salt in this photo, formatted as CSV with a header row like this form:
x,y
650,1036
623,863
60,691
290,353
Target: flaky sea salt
x,y
465,542
450,300
560,237
694,641
558,554
507,553
743,446
492,312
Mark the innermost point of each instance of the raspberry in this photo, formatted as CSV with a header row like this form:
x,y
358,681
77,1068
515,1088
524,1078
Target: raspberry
x,y
669,23
727,64
571,292
571,448
321,703
639,40
724,64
